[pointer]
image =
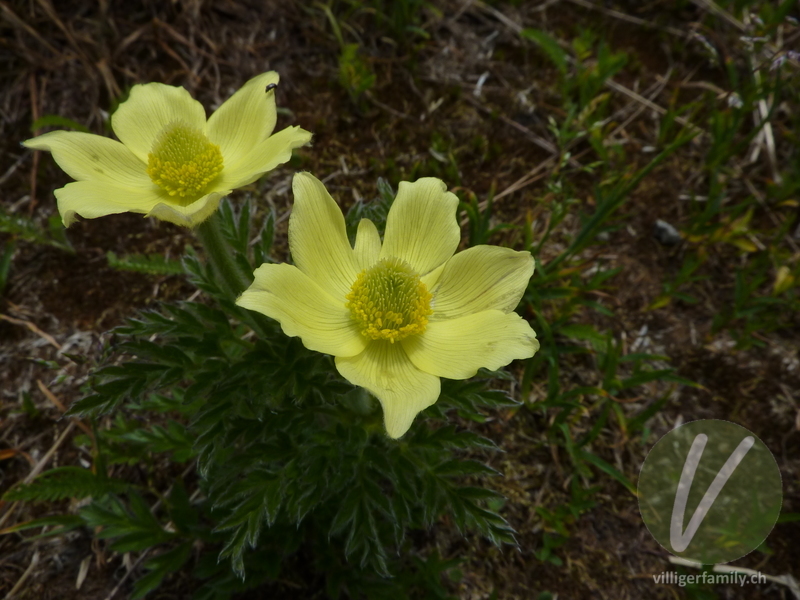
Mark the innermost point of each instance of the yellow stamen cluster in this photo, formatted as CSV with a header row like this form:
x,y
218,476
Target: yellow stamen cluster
x,y
389,302
184,162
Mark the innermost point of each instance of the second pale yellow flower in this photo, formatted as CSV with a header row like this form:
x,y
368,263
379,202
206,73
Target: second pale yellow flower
x,y
171,163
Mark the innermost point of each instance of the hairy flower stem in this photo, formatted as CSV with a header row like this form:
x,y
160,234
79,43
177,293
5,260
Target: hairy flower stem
x,y
232,278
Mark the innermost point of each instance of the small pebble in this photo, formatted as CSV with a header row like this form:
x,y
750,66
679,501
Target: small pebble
x,y
666,234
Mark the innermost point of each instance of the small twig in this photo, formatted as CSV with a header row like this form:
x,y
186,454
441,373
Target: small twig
x,y
762,201
10,171
46,458
183,475
743,27
536,173
761,116
46,336
785,580
703,85
660,85
712,7
108,78
536,139
51,396
60,406
652,91
113,592
53,16
625,17
143,555
36,153
25,575
386,107
531,176
39,468
12,18
649,104
512,25
190,44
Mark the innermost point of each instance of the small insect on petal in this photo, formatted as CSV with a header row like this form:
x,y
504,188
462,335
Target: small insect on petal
x,y
271,87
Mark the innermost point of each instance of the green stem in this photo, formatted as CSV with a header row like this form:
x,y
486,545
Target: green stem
x,y
230,275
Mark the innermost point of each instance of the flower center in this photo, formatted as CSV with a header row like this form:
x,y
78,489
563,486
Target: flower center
x,y
389,302
183,162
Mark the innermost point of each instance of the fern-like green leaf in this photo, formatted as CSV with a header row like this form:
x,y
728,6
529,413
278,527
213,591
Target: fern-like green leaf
x,y
30,231
66,482
152,264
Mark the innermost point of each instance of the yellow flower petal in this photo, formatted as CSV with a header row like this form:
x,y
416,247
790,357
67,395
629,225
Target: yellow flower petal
x,y
456,349
91,199
149,108
244,119
190,215
304,309
84,156
264,156
318,239
386,372
431,278
368,244
481,278
421,227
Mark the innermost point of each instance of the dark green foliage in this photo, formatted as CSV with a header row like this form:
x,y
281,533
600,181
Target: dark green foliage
x,y
400,20
422,578
549,46
160,566
291,458
480,227
376,210
139,442
132,524
23,228
355,73
55,524
6,255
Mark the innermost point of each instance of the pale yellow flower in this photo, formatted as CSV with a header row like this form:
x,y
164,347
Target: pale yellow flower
x,y
401,313
171,163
